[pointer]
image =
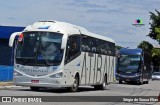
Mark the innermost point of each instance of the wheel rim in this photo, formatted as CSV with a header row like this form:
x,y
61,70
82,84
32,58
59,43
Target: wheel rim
x,y
75,84
104,83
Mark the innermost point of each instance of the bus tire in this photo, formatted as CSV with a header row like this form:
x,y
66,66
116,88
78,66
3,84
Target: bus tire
x,y
75,85
102,86
147,82
120,81
140,81
34,88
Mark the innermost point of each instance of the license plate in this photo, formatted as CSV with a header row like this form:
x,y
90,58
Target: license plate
x,y
127,79
35,81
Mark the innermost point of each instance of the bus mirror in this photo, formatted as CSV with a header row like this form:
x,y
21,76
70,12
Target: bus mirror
x,y
12,38
64,41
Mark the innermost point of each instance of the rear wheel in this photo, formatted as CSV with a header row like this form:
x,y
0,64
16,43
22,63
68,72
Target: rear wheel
x,y
34,88
120,81
140,81
75,85
147,82
102,86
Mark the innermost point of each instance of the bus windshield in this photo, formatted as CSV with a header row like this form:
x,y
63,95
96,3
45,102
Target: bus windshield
x,y
129,63
39,48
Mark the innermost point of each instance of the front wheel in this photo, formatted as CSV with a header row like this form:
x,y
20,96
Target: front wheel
x,y
75,85
120,82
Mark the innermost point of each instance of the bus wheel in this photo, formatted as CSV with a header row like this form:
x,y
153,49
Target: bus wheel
x,y
120,81
102,86
147,82
35,88
75,85
141,81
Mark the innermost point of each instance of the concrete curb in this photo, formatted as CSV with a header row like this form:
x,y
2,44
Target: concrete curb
x,y
6,84
7,87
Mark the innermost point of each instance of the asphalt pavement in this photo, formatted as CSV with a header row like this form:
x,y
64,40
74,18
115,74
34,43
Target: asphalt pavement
x,y
115,89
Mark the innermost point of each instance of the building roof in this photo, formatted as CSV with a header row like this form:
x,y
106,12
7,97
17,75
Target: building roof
x,y
6,31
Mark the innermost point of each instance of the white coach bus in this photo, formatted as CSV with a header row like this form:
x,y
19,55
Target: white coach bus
x,y
58,54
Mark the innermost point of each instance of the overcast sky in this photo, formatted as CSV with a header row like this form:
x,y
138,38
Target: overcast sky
x,y
111,18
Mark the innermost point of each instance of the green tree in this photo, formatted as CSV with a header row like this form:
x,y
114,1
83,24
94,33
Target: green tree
x,y
145,46
156,52
118,47
156,58
155,26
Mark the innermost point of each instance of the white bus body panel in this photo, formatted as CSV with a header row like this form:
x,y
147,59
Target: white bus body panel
x,y
89,66
91,71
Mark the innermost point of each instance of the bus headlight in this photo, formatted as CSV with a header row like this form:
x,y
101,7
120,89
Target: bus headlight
x,y
58,75
117,74
137,74
17,73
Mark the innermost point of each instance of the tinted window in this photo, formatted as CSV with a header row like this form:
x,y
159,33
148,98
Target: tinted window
x,y
39,48
156,73
86,44
94,45
73,47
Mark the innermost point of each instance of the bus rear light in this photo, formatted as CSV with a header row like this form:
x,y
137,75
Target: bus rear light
x,y
58,75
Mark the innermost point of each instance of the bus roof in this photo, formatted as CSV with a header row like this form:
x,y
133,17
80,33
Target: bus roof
x,y
127,51
64,27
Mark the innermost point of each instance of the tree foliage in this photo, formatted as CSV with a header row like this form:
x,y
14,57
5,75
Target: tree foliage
x,y
156,52
155,26
145,46
156,57
118,47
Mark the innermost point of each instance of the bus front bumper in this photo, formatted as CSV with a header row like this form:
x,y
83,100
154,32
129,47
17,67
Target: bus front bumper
x,y
129,78
39,82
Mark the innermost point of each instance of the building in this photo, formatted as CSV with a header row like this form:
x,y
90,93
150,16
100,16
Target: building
x,y
6,53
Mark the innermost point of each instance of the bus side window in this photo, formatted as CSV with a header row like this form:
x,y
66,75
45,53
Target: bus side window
x,y
86,43
73,47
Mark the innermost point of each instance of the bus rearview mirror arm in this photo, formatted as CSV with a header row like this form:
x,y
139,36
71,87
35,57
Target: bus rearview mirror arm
x,y
12,38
